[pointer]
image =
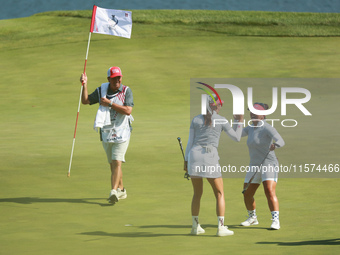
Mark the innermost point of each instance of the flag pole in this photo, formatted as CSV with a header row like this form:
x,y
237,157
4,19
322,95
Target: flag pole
x,y
82,87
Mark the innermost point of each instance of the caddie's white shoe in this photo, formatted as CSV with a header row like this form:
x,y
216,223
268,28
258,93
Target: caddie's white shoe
x,y
197,231
250,221
275,224
224,231
113,198
121,193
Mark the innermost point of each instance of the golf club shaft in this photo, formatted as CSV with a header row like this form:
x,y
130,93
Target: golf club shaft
x,y
246,187
180,145
186,175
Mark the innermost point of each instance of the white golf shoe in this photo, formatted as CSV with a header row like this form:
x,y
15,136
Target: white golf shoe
x,y
275,224
121,193
250,221
224,231
113,198
197,231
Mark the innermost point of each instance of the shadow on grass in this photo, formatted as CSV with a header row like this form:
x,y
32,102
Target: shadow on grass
x,y
33,200
135,233
238,227
167,226
314,242
130,234
205,226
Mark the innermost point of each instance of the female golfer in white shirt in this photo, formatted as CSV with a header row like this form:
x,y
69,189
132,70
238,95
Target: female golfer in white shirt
x,y
202,161
263,166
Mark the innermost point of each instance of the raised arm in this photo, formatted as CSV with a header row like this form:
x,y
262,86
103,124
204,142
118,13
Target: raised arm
x,y
85,95
235,133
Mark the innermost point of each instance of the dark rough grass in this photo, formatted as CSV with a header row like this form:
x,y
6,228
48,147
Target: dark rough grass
x,y
251,23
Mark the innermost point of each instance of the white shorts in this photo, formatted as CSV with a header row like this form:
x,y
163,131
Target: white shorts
x,y
116,151
264,173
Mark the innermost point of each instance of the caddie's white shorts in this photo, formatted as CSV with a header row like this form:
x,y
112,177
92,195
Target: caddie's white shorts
x,y
265,173
116,151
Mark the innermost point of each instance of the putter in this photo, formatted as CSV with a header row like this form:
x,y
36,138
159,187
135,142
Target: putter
x,y
186,175
246,187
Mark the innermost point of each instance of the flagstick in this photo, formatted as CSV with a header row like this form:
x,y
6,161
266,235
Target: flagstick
x,y
82,86
80,96
81,92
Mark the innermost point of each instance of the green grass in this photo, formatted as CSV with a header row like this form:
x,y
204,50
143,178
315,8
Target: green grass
x,y
42,57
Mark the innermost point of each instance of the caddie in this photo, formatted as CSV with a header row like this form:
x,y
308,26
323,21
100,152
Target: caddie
x,y
113,121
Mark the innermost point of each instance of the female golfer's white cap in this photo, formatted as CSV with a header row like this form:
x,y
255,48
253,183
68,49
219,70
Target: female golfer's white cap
x,y
212,102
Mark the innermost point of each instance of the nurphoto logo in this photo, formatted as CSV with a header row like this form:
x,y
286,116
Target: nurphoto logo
x,y
238,102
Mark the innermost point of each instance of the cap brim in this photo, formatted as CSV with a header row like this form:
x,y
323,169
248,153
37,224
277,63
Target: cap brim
x,y
112,76
218,103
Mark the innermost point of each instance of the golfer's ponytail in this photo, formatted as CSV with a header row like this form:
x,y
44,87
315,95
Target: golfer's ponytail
x,y
207,119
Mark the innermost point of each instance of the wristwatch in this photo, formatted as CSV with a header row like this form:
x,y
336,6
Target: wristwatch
x,y
110,105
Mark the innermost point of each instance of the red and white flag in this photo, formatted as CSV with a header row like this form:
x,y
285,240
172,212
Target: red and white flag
x,y
111,22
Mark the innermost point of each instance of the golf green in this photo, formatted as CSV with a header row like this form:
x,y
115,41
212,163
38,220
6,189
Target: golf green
x,y
44,212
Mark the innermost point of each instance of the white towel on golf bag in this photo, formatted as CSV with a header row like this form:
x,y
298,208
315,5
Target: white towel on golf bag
x,y
103,117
